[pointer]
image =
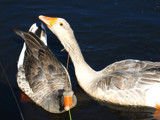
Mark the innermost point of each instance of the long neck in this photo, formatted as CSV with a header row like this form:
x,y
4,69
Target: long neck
x,y
84,73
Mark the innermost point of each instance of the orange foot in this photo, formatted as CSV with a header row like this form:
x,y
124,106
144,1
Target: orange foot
x,y
157,112
25,98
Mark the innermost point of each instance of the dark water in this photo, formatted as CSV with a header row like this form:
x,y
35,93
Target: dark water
x,y
106,30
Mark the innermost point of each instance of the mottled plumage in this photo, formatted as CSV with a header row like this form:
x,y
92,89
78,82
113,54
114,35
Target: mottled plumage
x,y
40,75
129,82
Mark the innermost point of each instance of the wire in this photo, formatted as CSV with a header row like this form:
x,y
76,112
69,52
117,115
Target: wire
x,y
12,91
70,117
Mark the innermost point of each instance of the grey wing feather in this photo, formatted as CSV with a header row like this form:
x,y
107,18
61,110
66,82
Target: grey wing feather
x,y
41,64
39,32
130,74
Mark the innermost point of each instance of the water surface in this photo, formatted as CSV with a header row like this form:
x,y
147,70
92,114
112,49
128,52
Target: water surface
x,y
106,30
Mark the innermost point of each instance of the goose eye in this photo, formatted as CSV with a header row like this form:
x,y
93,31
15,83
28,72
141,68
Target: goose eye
x,y
61,24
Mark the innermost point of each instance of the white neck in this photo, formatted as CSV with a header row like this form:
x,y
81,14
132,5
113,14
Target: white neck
x,y
84,73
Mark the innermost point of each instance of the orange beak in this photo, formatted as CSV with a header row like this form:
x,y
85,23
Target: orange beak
x,y
49,21
67,102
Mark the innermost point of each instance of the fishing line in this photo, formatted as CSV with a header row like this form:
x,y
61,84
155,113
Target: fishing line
x,y
12,90
67,81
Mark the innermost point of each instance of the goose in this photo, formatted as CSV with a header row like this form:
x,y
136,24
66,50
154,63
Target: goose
x,y
128,82
41,76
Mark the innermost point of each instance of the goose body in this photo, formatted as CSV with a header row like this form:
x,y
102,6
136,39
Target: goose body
x,y
40,75
127,82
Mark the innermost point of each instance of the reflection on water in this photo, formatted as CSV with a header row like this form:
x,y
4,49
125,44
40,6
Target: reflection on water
x,y
133,113
157,114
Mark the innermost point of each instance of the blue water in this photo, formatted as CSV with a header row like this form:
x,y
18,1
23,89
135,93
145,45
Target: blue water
x,y
106,30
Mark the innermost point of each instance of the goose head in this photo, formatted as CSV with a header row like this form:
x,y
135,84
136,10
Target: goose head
x,y
61,28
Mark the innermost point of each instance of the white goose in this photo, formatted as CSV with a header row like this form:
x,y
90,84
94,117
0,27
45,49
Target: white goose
x,y
41,76
128,82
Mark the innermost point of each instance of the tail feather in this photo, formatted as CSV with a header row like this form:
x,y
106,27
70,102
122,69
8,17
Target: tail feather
x,y
40,32
33,43
18,32
29,39
34,40
33,28
44,35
